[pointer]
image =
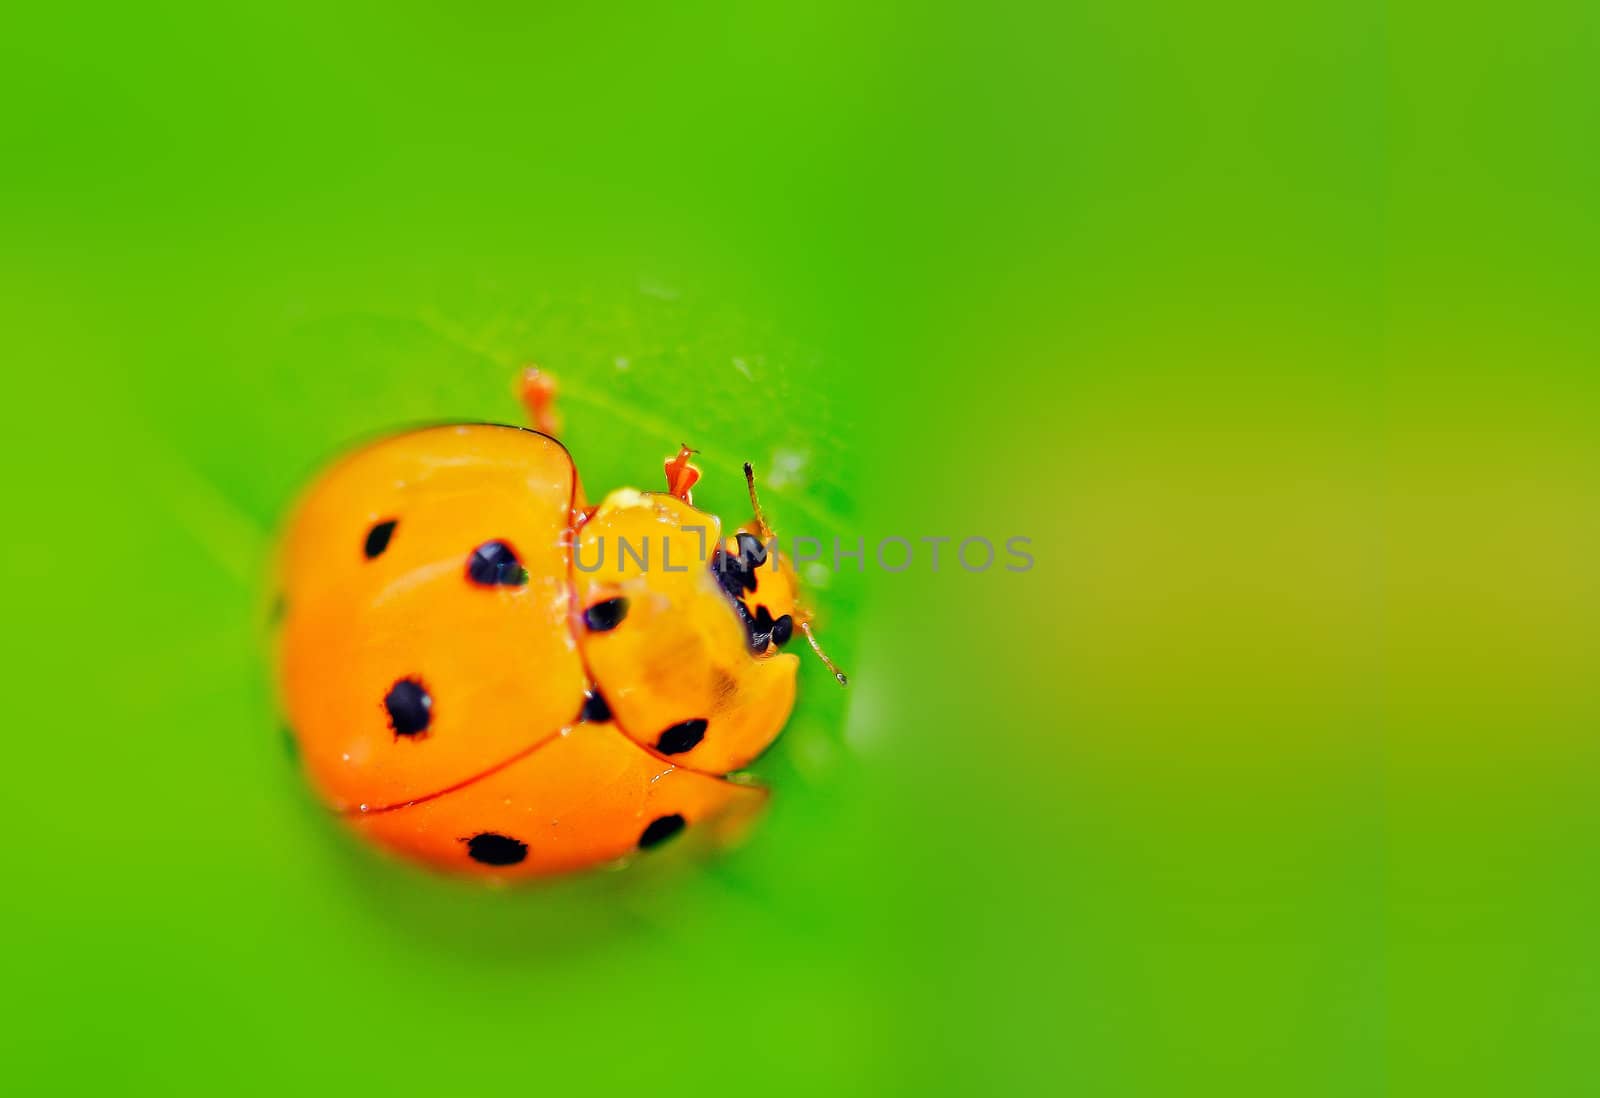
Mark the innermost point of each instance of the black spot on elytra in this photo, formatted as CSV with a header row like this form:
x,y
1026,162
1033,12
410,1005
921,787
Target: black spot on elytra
x,y
595,710
495,564
660,830
378,537
681,737
410,707
605,616
492,848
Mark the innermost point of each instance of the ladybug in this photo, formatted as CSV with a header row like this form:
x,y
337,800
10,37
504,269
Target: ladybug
x,y
489,675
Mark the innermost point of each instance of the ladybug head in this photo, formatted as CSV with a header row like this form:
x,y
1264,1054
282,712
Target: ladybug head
x,y
759,581
762,583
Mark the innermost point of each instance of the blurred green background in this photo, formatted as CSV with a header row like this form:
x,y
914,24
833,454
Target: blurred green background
x,y
1273,327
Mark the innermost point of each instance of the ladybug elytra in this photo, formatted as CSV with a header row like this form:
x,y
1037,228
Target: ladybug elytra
x,y
474,685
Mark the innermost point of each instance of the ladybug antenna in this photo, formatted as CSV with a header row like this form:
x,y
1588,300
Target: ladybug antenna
x,y
766,533
755,504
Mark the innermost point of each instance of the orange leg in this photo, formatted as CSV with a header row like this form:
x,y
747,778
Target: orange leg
x,y
805,627
538,392
681,475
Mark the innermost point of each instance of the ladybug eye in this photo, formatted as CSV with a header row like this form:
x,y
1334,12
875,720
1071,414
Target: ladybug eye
x,y
752,554
782,630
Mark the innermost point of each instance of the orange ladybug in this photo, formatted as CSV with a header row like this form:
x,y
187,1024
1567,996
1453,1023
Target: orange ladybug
x,y
489,675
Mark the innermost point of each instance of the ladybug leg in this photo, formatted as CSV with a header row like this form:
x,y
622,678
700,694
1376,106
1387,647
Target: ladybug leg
x,y
805,627
681,475
538,392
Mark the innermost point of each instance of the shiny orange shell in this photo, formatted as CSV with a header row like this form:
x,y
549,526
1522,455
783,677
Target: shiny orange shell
x,y
467,695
